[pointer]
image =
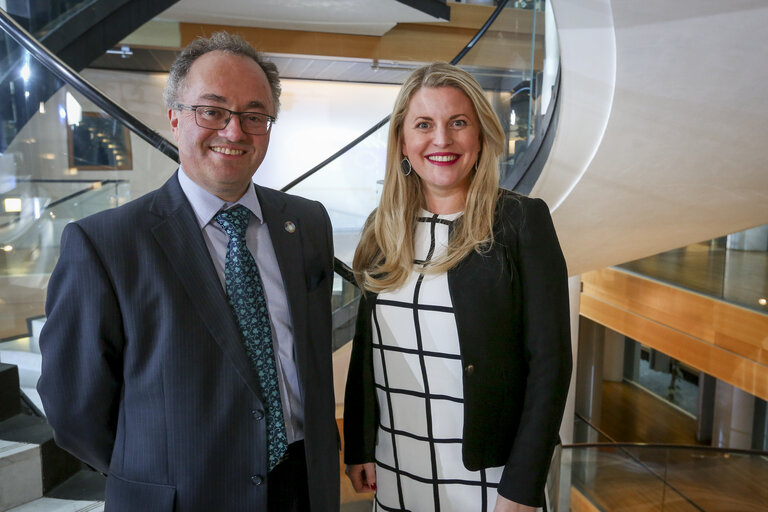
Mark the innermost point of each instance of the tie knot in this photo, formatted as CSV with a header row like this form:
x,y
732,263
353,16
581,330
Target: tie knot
x,y
234,221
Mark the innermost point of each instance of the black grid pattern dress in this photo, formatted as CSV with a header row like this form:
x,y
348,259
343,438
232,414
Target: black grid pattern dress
x,y
418,375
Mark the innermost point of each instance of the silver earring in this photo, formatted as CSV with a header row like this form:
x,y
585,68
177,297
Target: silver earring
x,y
405,166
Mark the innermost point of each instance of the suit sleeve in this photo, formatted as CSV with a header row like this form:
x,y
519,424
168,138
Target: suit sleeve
x,y
360,406
547,345
81,344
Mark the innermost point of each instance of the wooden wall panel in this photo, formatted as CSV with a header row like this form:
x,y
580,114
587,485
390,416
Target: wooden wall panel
x,y
507,47
723,340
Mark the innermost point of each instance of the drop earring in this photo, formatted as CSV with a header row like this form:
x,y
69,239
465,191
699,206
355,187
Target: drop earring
x,y
405,166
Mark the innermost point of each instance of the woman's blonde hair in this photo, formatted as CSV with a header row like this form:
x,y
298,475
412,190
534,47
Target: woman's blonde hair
x,y
384,257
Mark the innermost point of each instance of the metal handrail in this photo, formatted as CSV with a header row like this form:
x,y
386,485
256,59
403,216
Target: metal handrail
x,y
670,446
384,121
81,85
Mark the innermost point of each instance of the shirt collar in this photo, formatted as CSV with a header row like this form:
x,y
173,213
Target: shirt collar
x,y
207,205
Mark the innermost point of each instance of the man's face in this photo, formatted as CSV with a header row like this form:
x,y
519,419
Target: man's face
x,y
222,161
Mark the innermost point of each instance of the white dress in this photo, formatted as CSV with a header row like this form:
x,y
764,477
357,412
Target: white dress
x,y
418,375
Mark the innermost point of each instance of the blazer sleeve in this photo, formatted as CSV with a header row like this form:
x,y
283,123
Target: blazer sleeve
x,y
547,347
360,404
81,345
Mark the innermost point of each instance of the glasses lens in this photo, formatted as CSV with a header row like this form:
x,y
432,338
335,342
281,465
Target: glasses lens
x,y
213,118
254,123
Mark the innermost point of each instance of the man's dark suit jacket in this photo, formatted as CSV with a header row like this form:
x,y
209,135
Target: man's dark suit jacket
x,y
512,317
145,376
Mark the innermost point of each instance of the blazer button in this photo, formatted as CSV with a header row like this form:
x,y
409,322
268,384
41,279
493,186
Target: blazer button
x,y
258,414
469,370
257,480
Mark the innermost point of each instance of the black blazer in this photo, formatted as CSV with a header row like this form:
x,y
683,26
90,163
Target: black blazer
x,y
512,316
144,373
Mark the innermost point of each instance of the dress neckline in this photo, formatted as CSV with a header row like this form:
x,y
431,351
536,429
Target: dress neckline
x,y
426,214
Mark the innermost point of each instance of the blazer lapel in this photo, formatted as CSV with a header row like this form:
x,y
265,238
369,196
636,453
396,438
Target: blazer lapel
x,y
178,234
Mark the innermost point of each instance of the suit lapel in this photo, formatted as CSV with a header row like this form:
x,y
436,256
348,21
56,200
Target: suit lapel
x,y
178,234
285,233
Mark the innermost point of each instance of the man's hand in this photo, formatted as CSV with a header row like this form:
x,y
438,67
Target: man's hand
x,y
362,476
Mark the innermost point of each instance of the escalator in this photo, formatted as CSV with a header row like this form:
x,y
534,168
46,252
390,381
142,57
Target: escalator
x,y
77,31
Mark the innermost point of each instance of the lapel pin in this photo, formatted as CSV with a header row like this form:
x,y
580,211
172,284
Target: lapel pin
x,y
289,226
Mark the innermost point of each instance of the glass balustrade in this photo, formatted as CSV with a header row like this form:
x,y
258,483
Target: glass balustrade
x,y
39,18
733,268
598,475
64,159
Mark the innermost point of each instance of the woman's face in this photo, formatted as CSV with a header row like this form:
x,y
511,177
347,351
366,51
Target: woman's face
x,y
441,138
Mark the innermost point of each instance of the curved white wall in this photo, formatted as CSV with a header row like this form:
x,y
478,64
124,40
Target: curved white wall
x,y
663,139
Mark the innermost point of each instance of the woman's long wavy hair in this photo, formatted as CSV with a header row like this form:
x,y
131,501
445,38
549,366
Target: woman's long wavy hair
x,y
384,257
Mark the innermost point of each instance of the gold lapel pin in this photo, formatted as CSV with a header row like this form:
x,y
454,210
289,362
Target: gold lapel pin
x,y
289,226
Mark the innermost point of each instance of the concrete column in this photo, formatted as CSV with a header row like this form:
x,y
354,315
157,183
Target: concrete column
x,y
613,356
566,429
631,360
733,417
589,370
564,459
706,407
755,239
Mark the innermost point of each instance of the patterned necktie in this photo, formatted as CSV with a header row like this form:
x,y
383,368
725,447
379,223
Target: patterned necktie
x,y
246,296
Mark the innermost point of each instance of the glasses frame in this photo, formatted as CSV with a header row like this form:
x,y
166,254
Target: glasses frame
x,y
193,108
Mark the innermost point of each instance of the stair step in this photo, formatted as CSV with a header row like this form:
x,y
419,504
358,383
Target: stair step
x,y
85,485
57,464
35,326
29,364
20,474
10,400
34,397
25,429
57,505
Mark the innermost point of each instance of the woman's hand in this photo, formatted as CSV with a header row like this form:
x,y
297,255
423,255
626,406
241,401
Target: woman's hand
x,y
362,476
505,505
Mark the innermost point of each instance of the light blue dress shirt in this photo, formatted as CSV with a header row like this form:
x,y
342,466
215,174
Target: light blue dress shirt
x,y
206,206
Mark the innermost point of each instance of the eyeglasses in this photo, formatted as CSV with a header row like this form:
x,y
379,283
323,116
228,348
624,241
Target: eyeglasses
x,y
217,118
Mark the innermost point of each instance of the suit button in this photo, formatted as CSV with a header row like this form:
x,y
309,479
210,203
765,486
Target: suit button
x,y
258,414
469,370
257,480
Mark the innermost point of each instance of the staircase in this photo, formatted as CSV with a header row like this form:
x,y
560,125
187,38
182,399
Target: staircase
x,y
35,474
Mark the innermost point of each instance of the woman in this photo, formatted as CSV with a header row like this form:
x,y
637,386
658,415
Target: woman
x,y
461,357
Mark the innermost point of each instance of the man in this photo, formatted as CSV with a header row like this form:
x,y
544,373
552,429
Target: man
x,y
160,369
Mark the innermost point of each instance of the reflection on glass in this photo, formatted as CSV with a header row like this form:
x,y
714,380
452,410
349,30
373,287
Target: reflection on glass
x,y
516,62
350,188
665,377
627,477
38,18
733,268
61,159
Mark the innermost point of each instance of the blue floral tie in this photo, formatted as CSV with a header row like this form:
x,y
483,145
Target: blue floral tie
x,y
246,296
